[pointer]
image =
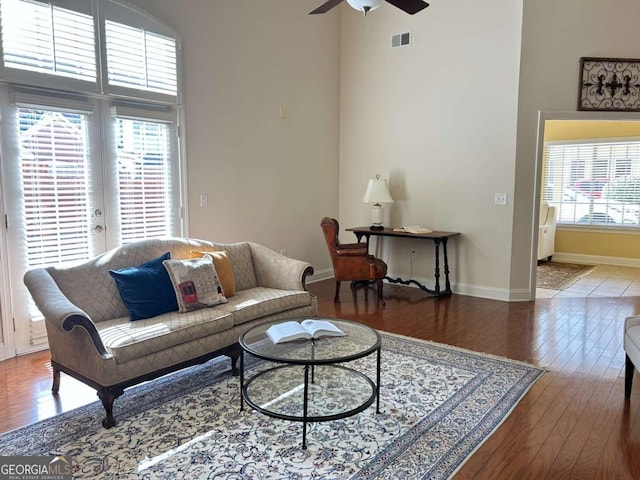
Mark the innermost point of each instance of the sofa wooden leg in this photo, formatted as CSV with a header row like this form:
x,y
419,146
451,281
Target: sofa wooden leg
x,y
107,398
628,376
55,388
234,355
336,298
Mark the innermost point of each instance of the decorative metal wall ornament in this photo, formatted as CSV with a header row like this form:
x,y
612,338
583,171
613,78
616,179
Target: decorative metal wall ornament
x,y
609,84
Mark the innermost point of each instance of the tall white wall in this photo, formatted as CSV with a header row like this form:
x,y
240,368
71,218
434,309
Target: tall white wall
x,y
438,119
268,179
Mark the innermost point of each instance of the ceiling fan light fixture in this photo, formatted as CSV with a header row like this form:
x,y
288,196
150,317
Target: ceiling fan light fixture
x,y
365,6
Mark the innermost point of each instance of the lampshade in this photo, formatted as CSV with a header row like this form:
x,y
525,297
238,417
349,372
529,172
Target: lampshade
x,y
365,5
377,191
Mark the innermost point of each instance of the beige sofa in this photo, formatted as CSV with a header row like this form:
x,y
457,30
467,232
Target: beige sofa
x,y
92,338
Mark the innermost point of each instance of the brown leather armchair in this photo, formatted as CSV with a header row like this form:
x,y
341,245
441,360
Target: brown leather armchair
x,y
351,261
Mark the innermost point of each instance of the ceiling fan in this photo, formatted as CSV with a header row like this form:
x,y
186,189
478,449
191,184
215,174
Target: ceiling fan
x,y
365,6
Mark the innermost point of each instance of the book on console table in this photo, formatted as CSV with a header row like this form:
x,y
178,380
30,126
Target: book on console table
x,y
305,330
413,229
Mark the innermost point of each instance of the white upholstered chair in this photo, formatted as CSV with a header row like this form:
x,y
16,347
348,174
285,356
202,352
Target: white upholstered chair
x,y
631,350
547,232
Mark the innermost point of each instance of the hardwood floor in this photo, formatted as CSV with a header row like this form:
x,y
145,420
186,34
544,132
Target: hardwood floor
x,y
573,423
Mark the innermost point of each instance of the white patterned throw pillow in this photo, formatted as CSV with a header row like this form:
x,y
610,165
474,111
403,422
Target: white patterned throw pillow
x,y
195,282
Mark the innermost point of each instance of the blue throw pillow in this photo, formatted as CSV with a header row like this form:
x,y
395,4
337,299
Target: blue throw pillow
x,y
146,290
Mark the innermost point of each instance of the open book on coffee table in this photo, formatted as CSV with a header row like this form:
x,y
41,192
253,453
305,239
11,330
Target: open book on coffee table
x,y
305,330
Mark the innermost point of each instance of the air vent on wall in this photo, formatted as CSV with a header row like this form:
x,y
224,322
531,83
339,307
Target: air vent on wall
x,y
401,40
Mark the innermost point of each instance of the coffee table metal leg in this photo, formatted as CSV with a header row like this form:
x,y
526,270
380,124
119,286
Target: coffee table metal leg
x,y
241,379
378,381
305,406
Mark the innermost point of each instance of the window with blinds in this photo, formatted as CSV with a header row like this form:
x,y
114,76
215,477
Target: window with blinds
x,y
55,184
144,179
137,54
85,170
595,183
42,37
140,59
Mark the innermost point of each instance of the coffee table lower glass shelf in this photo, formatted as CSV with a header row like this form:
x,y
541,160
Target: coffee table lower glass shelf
x,y
309,381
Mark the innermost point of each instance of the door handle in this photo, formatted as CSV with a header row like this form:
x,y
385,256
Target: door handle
x,y
98,228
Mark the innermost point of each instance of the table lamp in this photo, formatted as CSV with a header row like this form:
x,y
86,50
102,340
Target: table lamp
x,y
377,193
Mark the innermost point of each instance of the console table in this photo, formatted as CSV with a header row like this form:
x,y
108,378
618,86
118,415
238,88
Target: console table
x,y
438,238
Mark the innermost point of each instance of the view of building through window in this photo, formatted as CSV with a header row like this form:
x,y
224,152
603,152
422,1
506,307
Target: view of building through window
x,y
54,167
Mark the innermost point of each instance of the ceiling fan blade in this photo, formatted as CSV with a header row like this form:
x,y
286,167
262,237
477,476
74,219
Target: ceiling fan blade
x,y
409,6
326,6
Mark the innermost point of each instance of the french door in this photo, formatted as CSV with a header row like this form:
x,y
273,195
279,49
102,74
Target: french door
x,y
80,176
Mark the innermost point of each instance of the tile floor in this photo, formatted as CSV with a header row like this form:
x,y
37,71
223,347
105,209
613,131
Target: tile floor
x,y
603,281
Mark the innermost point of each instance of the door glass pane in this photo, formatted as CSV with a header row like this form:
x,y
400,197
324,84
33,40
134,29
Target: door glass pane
x,y
55,181
144,173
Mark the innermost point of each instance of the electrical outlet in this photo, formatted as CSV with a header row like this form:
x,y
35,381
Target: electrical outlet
x,y
414,254
501,199
283,252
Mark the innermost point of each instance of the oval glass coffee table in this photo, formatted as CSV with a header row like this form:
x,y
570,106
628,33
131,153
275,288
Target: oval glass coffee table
x,y
310,380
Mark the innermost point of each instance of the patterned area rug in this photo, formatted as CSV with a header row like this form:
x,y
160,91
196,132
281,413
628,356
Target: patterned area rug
x,y
558,276
438,405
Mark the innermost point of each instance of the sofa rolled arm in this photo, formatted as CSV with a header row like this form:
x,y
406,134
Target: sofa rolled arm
x,y
82,321
277,271
58,309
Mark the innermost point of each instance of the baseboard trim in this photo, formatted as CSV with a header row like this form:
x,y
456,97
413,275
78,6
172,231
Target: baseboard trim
x,y
32,349
595,259
480,291
500,294
320,275
489,293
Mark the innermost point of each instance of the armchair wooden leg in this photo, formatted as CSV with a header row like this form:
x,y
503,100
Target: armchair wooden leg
x,y
379,282
628,376
336,299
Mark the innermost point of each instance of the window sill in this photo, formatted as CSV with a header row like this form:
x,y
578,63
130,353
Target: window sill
x,y
630,230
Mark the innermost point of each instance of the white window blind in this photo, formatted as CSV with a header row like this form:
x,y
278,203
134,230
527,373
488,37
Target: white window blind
x,y
144,179
42,37
595,183
140,59
55,184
